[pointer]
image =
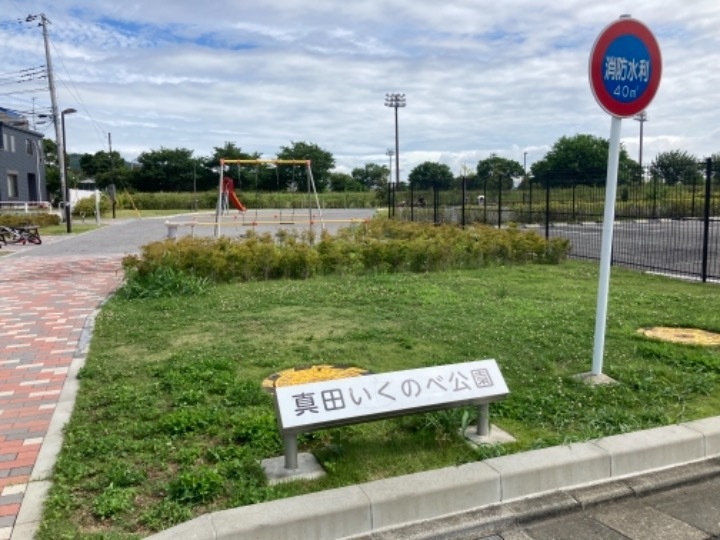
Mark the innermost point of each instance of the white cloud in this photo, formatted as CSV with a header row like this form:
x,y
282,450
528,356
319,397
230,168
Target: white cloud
x,y
480,77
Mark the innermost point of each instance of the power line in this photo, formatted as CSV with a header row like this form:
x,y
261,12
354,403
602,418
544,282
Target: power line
x,y
76,94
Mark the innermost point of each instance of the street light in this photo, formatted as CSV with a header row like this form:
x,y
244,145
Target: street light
x,y
66,194
642,118
395,101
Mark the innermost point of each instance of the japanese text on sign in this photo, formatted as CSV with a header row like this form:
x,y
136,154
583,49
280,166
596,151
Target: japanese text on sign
x,y
626,69
321,403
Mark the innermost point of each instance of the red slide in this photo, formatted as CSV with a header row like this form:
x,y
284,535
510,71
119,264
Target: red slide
x,y
229,188
236,202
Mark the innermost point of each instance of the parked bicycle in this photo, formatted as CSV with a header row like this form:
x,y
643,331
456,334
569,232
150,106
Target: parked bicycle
x,y
20,235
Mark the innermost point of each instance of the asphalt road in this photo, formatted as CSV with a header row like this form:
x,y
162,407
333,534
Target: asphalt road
x,y
678,503
687,512
127,236
665,246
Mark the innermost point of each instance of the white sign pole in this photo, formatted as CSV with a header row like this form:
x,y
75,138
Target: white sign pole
x,y
607,242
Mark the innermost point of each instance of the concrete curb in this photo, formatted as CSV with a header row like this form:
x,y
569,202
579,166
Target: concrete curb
x,y
522,512
502,490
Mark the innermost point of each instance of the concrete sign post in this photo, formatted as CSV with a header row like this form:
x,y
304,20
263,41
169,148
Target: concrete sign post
x,y
625,69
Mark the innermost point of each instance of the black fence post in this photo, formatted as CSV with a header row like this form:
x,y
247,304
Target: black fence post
x,y
706,220
485,201
389,199
530,214
654,205
393,190
547,207
464,199
412,202
500,179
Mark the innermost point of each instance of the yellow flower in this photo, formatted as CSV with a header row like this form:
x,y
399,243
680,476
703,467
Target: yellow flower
x,y
322,372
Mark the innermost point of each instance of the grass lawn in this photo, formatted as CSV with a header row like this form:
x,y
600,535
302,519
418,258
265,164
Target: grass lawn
x,y
171,420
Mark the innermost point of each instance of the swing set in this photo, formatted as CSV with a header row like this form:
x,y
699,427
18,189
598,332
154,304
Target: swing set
x,y
226,188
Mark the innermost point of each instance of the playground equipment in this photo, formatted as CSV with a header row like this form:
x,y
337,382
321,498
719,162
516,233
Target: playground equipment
x,y
226,193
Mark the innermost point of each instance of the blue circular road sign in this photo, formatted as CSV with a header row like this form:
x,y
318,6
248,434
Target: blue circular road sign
x,y
625,67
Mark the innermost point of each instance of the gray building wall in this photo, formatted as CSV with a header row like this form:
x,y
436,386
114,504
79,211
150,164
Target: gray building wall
x,y
21,158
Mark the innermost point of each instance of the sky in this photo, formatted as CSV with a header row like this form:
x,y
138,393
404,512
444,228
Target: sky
x,y
507,77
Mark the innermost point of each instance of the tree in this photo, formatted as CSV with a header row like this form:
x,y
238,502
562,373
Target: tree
x,y
497,171
52,171
676,167
165,170
371,176
431,175
469,175
105,168
100,162
245,176
295,177
582,160
345,182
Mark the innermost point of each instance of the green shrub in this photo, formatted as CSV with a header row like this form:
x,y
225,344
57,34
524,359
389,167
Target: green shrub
x,y
162,281
207,200
86,207
381,245
18,220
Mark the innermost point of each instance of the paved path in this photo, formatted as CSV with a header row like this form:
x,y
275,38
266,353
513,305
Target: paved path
x,y
46,303
49,295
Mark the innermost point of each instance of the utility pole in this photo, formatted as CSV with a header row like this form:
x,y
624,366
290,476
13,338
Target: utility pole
x,y
55,111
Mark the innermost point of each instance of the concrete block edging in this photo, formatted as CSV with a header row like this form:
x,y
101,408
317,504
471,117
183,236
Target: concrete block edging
x,y
365,508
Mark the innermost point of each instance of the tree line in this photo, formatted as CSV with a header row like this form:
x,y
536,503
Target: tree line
x,y
576,160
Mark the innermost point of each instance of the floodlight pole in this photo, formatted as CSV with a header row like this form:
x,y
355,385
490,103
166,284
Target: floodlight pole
x,y
395,101
642,118
391,192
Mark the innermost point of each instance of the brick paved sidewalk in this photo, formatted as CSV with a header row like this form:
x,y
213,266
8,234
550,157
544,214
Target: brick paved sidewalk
x,y
45,304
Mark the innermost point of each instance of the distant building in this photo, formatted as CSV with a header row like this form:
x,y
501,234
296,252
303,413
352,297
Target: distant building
x,y
22,167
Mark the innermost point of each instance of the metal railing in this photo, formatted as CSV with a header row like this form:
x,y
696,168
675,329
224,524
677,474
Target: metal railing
x,y
672,229
26,207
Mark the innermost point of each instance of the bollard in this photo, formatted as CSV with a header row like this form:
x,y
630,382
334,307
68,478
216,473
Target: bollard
x,y
172,229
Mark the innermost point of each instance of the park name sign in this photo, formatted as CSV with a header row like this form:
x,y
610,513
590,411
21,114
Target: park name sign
x,y
624,71
312,406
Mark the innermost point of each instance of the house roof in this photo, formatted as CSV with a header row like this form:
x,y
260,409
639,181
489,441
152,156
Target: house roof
x,y
16,120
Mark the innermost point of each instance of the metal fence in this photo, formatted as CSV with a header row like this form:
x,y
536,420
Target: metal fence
x,y
659,228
